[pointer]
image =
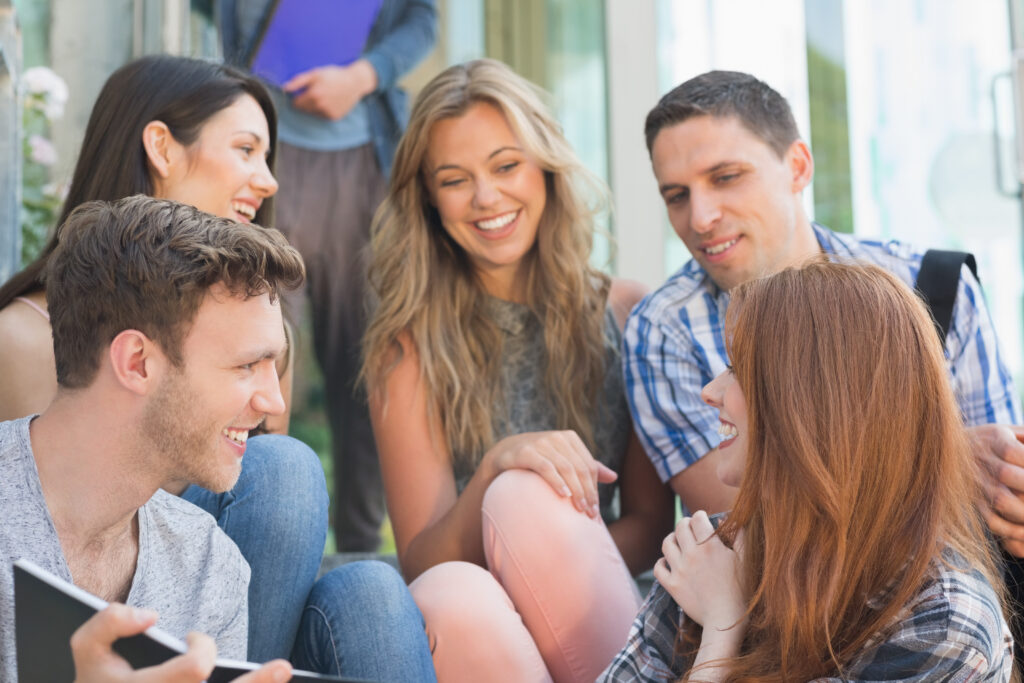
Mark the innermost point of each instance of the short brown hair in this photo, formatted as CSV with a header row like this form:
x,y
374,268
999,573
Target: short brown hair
x,y
721,94
146,264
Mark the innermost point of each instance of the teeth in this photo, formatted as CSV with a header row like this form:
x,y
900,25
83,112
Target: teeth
x,y
719,248
237,435
246,210
727,431
499,222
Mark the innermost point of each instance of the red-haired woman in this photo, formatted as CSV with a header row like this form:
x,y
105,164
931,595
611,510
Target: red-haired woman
x,y
855,550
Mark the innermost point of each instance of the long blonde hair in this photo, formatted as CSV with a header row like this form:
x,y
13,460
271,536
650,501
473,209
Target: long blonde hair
x,y
858,472
426,287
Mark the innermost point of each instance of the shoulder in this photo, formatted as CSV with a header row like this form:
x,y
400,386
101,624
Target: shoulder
x,y
26,361
954,624
686,307
187,537
899,258
623,295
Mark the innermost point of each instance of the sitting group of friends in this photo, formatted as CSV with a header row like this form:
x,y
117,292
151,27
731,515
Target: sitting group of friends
x,y
534,417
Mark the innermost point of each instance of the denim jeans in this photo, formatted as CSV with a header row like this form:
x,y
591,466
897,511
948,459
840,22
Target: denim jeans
x,y
361,621
277,516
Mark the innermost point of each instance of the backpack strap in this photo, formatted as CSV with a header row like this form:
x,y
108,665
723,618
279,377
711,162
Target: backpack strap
x,y
937,284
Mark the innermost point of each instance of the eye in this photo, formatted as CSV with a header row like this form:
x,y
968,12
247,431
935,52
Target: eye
x,y
505,168
677,197
247,150
452,182
726,178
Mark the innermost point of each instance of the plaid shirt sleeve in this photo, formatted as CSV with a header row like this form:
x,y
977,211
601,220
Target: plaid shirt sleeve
x,y
954,631
665,370
647,655
983,385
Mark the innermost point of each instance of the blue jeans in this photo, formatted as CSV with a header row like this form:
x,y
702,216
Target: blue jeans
x,y
277,516
361,622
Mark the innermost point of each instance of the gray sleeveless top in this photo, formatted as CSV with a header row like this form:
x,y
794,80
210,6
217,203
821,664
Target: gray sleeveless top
x,y
526,406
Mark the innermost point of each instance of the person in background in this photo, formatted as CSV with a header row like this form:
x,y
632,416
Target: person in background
x,y
493,370
339,124
855,550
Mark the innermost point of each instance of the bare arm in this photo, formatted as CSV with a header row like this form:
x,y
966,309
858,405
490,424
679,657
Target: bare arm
x,y
647,508
699,487
647,505
432,522
26,362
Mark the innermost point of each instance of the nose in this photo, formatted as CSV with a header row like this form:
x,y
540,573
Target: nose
x,y
712,392
263,181
485,193
704,211
267,398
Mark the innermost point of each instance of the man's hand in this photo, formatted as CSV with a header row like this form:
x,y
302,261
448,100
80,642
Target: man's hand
x,y
96,661
999,450
332,91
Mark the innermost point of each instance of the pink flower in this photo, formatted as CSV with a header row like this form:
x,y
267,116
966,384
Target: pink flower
x,y
42,150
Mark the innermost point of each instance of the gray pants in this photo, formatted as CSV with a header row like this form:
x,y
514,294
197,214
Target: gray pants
x,y
325,205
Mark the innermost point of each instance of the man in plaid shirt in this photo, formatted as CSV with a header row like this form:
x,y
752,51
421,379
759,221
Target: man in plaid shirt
x,y
731,169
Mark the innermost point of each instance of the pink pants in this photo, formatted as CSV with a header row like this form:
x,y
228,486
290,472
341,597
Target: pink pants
x,y
557,603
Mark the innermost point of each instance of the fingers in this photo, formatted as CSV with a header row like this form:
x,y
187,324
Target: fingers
x,y
605,474
700,527
194,666
276,671
300,81
102,629
1001,527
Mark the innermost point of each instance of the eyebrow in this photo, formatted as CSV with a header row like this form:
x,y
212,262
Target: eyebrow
x,y
493,154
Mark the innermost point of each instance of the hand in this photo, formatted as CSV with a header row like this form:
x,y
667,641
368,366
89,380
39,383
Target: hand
x,y
96,661
1000,453
703,576
332,91
561,458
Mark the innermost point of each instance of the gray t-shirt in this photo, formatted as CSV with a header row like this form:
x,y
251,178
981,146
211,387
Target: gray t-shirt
x,y
188,570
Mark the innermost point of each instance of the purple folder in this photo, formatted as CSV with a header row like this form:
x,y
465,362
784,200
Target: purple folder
x,y
303,34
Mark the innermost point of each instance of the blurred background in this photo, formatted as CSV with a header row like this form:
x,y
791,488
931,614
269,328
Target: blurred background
x,y
911,109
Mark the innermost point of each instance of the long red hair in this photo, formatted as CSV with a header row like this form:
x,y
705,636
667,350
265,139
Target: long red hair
x,y
859,471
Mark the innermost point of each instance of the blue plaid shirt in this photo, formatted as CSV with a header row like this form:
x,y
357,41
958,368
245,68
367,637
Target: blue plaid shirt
x,y
952,630
674,344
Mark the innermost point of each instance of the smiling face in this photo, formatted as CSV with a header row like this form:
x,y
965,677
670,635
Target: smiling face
x,y
224,172
725,394
489,194
200,416
731,199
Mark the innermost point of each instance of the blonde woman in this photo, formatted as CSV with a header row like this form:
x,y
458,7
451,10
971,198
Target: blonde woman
x,y
492,360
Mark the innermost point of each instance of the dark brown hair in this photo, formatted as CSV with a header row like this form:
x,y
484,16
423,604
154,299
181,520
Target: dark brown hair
x,y
183,93
146,264
722,94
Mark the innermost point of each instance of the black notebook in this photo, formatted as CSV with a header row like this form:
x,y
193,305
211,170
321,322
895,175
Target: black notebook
x,y
48,609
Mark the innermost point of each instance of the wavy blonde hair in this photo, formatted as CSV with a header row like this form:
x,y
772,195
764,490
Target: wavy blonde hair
x,y
427,291
858,473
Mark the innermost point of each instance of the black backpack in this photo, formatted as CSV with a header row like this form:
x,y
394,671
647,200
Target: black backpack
x,y
937,283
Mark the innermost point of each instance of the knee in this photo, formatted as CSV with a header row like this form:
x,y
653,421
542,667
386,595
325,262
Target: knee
x,y
285,478
517,496
367,587
287,465
459,599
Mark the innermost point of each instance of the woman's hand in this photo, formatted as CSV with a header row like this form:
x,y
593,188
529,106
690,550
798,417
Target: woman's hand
x,y
560,457
702,575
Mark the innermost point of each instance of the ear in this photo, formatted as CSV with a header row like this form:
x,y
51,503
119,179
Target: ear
x,y
137,361
801,165
160,148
